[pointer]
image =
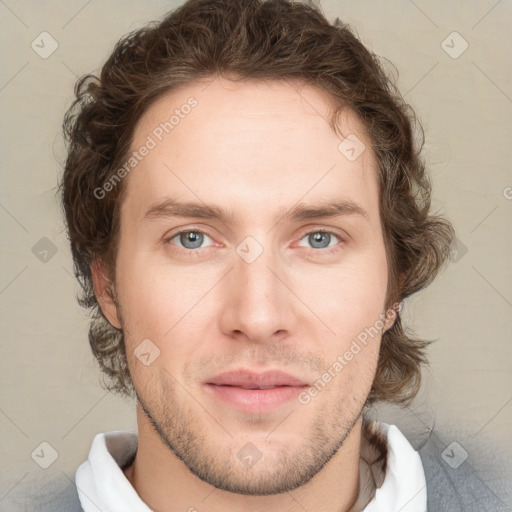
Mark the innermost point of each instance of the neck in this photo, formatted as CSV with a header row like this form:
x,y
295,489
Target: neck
x,y
165,483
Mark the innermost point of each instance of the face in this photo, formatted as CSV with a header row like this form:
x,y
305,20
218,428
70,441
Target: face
x,y
264,286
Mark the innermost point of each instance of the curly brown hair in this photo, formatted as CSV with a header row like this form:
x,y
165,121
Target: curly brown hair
x,y
252,39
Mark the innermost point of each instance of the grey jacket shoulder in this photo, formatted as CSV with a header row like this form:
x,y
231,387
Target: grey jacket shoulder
x,y
61,498
456,481
56,494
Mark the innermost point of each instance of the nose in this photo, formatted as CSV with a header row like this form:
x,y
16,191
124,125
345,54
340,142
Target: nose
x,y
258,304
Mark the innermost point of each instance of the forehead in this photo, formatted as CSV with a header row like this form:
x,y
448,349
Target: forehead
x,y
259,143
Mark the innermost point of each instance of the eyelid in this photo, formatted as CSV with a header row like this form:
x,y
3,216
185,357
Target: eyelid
x,y
322,228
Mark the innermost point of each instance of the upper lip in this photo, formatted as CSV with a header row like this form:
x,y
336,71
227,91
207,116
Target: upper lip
x,y
250,379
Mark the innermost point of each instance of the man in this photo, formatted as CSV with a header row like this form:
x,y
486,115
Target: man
x,y
247,209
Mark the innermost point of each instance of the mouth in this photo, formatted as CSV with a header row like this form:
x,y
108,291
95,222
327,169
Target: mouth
x,y
253,392
250,379
252,387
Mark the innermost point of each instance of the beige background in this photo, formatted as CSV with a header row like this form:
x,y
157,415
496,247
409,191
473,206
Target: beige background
x,y
50,387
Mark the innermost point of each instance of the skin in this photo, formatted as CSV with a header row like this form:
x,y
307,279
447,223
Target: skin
x,y
256,148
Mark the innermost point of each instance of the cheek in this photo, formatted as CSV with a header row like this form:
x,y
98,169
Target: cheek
x,y
348,298
148,305
165,304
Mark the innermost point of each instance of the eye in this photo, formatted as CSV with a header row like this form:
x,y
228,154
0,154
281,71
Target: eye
x,y
189,239
321,239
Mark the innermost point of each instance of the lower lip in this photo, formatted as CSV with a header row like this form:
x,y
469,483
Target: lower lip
x,y
254,400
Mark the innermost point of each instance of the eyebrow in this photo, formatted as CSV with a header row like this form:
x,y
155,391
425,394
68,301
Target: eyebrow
x,y
169,208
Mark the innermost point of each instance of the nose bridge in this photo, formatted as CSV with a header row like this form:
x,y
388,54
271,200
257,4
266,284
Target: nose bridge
x,y
253,265
259,301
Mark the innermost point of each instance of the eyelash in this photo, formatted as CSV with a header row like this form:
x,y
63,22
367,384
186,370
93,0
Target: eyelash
x,y
326,250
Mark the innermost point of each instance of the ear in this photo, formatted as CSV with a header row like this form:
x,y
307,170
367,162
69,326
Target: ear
x,y
104,291
392,312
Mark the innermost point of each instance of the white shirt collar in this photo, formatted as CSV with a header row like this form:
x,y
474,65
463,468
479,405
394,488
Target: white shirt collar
x,y
103,486
404,488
